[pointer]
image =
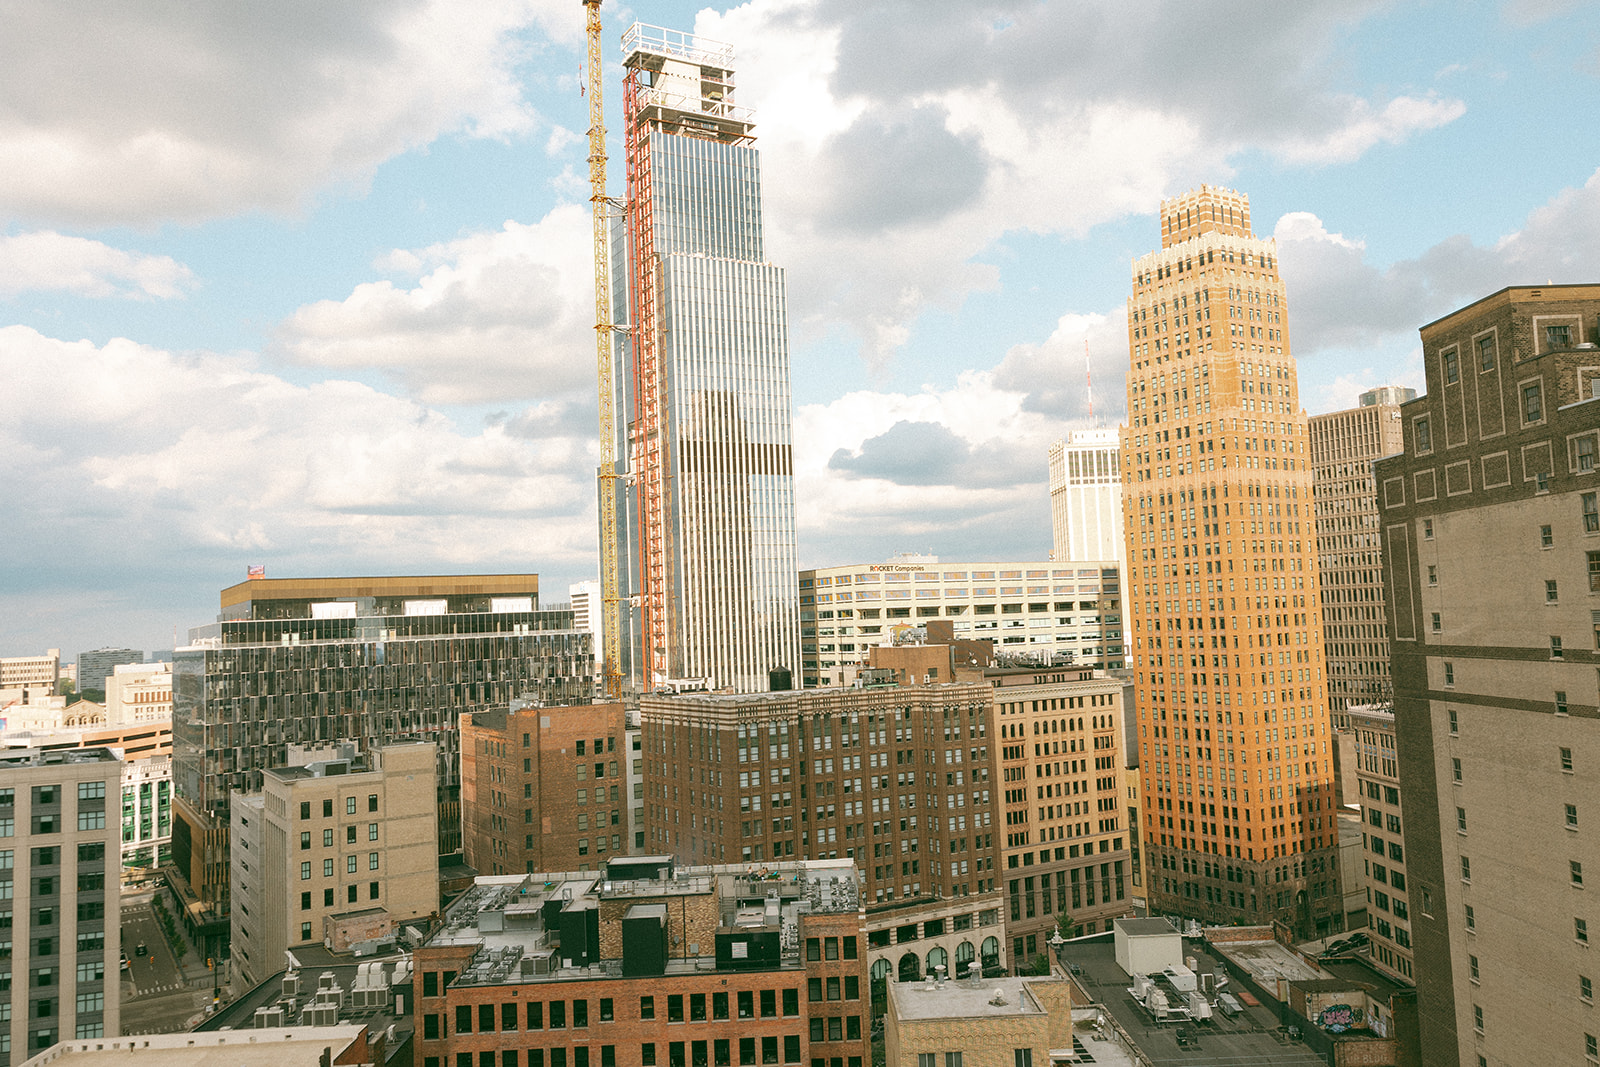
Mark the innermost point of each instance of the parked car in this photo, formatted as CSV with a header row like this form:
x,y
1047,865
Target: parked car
x,y
140,950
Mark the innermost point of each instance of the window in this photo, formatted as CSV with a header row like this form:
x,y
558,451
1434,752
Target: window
x,y
372,802
769,1004
791,1003
1580,930
747,1004
580,1013
1486,353
327,868
1591,512
1532,403
1455,723
1427,529
1585,453
1472,967
1546,537
327,838
1452,367
372,861
719,1005
327,808
697,1008
1449,673
647,1007
1561,702
1461,820
1433,574
1424,435
1585,987
647,1054
349,805
952,1059
1437,622
535,1015
1477,1017
305,871
1555,648
927,1059
305,931
1550,594
1472,918
305,809
372,831
1566,758
1466,868
1557,337
1022,1057
1575,870
1572,816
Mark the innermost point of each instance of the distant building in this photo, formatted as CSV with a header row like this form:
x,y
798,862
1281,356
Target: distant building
x,y
138,692
344,1044
1070,828
1086,497
1067,613
58,878
1344,446
335,853
1387,396
588,613
96,666
1491,524
648,963
1002,1022
545,788
25,679
368,660
1383,871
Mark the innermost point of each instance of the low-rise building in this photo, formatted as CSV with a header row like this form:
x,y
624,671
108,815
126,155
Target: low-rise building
x,y
999,1022
649,965
334,852
139,692
346,1045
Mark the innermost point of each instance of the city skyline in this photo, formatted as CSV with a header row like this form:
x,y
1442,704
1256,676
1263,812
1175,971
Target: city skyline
x,y
297,332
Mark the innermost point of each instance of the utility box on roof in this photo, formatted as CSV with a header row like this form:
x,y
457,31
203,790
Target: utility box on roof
x,y
1147,946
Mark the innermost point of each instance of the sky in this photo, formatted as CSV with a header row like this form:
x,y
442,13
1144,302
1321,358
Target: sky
x,y
309,285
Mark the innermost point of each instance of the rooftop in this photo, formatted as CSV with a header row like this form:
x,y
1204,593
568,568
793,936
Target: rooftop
x,y
983,998
278,1047
17,759
1145,927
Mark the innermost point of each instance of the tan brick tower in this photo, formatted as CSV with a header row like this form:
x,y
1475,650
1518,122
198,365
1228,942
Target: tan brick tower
x,y
1233,733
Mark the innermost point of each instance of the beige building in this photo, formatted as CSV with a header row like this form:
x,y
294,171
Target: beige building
x,y
345,1044
1383,868
29,678
1086,497
1344,445
333,852
1491,523
997,1022
1224,613
1069,846
59,910
138,692
1062,612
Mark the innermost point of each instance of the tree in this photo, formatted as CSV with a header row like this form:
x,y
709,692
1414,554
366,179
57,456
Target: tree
x,y
1040,964
1066,926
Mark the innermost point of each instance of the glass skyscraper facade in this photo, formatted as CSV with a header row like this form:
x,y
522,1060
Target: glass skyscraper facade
x,y
707,538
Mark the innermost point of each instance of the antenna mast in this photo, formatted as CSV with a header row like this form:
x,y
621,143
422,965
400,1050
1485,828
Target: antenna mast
x,y
1087,380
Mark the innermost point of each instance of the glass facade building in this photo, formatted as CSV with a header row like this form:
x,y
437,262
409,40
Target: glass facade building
x,y
707,538
358,661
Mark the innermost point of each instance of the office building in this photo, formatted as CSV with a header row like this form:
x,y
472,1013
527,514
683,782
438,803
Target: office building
x,y
588,613
648,964
1069,844
367,660
60,939
26,679
546,788
1086,497
335,853
1492,555
1052,611
707,538
138,692
1383,856
1344,445
1224,614
96,666
900,780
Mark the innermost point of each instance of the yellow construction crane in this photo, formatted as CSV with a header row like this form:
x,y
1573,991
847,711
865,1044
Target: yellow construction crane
x,y
610,595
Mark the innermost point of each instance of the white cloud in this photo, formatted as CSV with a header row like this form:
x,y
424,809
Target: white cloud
x,y
146,112
895,162
46,261
136,459
503,315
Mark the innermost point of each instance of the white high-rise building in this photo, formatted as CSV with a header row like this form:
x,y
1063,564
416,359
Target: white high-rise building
x,y
1086,497
706,538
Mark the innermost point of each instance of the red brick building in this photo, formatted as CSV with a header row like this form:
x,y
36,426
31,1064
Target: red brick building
x,y
649,966
544,788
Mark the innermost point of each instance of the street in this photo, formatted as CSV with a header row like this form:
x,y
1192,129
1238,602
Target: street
x,y
156,998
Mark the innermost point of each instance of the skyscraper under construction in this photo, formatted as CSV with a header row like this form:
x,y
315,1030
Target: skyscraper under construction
x,y
1238,808
706,531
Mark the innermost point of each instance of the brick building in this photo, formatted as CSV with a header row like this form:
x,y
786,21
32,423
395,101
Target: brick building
x,y
1069,843
1224,612
545,788
901,780
648,965
1491,525
1002,1022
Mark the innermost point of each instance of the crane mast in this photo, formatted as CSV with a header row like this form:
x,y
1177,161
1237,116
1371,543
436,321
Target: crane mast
x,y
610,596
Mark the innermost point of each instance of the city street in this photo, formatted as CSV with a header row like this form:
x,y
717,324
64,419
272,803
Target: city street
x,y
156,997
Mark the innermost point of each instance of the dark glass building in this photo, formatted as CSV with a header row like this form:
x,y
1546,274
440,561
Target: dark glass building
x,y
358,661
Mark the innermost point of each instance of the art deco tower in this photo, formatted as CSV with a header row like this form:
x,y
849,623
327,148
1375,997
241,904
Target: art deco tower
x,y
1234,747
707,538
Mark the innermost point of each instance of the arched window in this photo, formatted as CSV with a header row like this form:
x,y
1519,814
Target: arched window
x,y
910,967
965,954
937,957
991,952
